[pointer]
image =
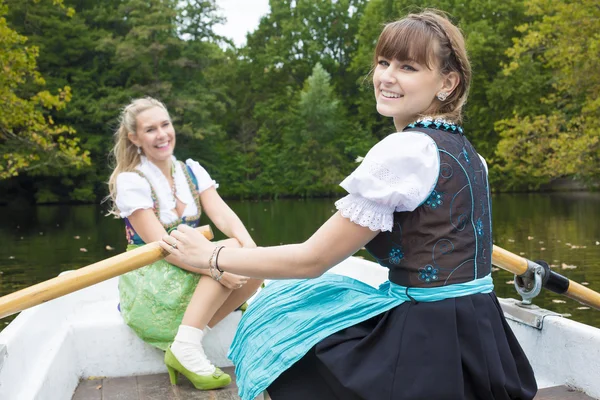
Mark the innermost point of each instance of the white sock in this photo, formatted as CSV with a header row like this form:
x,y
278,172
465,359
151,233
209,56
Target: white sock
x,y
187,348
206,330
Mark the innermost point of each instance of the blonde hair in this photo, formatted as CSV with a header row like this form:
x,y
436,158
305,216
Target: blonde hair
x,y
429,38
124,154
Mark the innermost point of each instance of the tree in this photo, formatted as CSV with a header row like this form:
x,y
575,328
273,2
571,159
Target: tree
x,y
273,66
321,146
561,136
30,140
110,52
197,19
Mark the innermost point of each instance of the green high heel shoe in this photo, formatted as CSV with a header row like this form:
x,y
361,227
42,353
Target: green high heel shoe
x,y
217,379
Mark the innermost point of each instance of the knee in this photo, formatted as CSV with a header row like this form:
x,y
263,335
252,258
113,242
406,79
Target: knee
x,y
255,282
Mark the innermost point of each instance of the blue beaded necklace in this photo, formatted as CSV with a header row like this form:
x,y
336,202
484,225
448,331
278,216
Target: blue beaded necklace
x,y
437,123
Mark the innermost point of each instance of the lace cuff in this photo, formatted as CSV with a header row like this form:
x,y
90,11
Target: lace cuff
x,y
367,213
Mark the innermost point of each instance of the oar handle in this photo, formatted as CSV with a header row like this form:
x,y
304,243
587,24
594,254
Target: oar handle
x,y
509,261
552,281
86,276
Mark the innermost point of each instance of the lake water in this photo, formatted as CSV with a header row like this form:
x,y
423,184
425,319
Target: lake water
x,y
38,242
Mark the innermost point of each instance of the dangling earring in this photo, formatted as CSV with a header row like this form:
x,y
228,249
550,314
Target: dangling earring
x,y
442,96
139,150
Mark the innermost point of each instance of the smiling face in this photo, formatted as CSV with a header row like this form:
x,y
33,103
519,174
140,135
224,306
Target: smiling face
x,y
407,75
154,134
404,90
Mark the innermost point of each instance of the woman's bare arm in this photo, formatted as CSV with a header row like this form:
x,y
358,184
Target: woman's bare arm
x,y
224,218
336,240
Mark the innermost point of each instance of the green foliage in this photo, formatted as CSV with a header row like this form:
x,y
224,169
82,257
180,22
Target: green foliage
x,y
279,57
109,60
30,140
315,156
288,113
560,137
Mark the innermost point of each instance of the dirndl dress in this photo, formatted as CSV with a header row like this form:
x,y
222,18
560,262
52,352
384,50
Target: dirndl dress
x,y
435,330
300,340
153,299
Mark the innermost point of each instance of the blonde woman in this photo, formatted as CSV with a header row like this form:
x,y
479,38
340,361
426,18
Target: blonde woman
x,y
170,304
420,203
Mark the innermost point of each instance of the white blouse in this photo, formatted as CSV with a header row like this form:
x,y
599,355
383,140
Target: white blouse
x,y
133,191
397,174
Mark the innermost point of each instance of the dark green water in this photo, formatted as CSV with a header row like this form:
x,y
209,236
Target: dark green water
x,y
37,243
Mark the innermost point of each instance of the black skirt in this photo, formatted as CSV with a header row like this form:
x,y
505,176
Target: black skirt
x,y
459,348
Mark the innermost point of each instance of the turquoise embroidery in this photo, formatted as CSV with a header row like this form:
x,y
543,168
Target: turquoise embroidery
x,y
446,170
439,123
460,161
479,227
428,274
467,159
396,255
434,200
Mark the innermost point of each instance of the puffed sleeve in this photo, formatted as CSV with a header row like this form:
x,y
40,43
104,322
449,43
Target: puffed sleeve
x,y
203,178
133,193
397,174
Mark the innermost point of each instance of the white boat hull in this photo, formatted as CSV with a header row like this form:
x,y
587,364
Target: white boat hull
x,y
46,350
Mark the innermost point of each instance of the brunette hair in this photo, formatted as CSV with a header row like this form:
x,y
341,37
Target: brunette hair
x,y
430,39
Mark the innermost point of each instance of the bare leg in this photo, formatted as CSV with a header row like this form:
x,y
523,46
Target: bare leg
x,y
210,302
208,298
235,299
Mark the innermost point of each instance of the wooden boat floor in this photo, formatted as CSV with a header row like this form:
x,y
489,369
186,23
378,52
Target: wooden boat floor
x,y
158,387
151,387
561,393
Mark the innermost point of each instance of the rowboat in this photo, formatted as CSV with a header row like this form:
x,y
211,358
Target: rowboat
x,y
78,344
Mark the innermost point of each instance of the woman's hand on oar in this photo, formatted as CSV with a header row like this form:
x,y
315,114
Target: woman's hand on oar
x,y
178,243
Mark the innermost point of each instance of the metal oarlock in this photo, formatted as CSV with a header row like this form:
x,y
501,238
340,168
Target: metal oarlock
x,y
531,276
529,284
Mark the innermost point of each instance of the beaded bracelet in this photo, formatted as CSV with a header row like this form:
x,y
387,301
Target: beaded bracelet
x,y
215,273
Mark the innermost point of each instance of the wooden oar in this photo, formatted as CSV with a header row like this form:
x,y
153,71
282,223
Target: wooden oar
x,y
552,281
122,263
86,276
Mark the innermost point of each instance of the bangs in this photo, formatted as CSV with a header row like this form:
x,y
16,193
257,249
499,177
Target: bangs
x,y
407,40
